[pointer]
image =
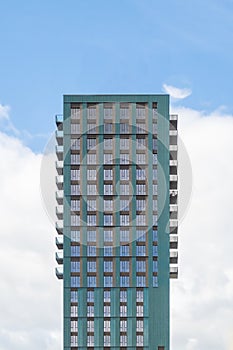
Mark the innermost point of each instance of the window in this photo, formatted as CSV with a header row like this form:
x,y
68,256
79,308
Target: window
x,y
75,174
75,250
141,143
74,296
108,266
75,158
74,326
155,174
123,310
140,189
106,340
123,340
124,236
140,111
107,174
74,340
107,281
108,189
75,281
91,128
124,111
91,220
91,250
90,311
75,129
140,158
75,266
124,189
108,144
140,174
124,250
75,236
124,158
141,220
106,326
74,311
155,205
107,296
141,281
108,205
139,310
91,189
155,144
108,158
75,220
106,311
124,128
90,340
124,266
141,236
91,143
124,220
139,340
123,296
91,281
90,326
75,113
140,128
108,128
140,250
91,236
91,205
155,128
124,174
123,326
91,112
155,250
75,190
140,326
75,144
155,235
75,205
155,159
108,236
91,174
108,220
124,205
124,143
90,296
141,265
139,296
91,158
155,281
91,266
155,220
108,112
155,190
108,251
155,266
141,204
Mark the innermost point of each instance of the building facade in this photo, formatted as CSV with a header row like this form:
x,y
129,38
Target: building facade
x,y
117,220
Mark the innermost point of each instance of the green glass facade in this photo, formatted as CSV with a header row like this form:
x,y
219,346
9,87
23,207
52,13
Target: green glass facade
x,y
116,220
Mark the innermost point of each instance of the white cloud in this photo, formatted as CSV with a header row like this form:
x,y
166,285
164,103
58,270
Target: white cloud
x,y
30,293
177,93
202,297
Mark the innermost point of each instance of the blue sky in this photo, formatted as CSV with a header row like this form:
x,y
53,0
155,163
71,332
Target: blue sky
x,y
51,48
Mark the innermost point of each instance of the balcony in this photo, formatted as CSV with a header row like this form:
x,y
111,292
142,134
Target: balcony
x,y
173,272
59,120
173,207
59,212
59,167
173,132
173,116
173,162
59,152
59,258
173,148
173,226
59,182
59,137
173,242
59,273
59,197
59,242
59,227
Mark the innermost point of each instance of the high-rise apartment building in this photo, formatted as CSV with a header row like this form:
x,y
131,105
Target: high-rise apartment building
x,y
117,220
